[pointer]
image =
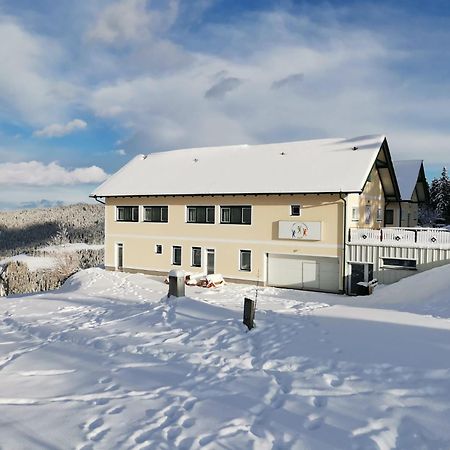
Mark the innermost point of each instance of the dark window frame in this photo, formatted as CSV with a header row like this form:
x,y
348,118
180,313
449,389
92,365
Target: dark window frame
x,y
133,215
389,217
243,267
234,212
175,248
296,210
158,249
208,213
163,211
399,263
196,252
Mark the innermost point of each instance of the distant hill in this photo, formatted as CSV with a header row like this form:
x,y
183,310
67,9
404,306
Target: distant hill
x,y
23,231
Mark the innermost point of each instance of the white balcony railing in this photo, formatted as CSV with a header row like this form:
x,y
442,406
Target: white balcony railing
x,y
404,237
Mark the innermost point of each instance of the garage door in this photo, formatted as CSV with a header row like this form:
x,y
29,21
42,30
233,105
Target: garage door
x,y
301,272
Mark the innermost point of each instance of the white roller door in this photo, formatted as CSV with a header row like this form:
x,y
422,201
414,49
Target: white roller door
x,y
302,272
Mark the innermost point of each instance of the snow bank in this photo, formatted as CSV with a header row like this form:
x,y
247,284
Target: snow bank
x,y
34,263
108,362
425,293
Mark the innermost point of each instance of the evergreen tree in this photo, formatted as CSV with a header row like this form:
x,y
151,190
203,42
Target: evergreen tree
x,y
440,195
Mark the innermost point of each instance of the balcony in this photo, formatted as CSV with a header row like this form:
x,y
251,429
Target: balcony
x,y
401,237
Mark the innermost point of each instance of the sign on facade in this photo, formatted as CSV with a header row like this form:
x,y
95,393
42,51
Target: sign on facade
x,y
301,231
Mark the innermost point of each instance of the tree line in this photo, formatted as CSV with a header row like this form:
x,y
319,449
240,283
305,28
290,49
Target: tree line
x,y
26,230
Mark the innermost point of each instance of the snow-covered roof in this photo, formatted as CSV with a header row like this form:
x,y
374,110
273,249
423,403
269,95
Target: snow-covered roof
x,y
407,173
315,166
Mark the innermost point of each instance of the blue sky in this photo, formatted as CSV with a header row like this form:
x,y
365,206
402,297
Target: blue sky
x,y
84,86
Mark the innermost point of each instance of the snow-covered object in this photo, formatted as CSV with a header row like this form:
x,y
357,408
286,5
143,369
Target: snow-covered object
x,y
315,166
407,173
34,263
215,279
177,273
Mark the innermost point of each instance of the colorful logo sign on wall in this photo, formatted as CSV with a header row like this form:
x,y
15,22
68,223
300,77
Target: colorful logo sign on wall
x,y
300,231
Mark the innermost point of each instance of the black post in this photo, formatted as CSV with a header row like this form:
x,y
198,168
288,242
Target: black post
x,y
249,312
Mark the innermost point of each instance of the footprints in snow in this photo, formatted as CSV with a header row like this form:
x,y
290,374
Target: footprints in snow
x,y
167,424
96,429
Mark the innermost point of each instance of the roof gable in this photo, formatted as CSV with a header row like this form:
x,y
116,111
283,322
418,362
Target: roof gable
x,y
408,173
315,166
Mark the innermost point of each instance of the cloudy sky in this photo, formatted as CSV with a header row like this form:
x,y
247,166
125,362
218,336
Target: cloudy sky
x,y
86,85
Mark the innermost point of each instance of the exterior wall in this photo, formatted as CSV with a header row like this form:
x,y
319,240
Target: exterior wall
x,y
261,237
410,212
371,197
396,208
427,258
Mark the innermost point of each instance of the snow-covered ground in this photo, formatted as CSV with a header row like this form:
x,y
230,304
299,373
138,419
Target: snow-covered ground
x,y
49,259
108,362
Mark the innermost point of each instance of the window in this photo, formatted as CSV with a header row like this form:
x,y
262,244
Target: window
x,y
245,262
155,214
295,210
196,257
225,216
127,213
368,215
236,215
176,255
158,249
379,215
397,263
355,214
201,214
389,217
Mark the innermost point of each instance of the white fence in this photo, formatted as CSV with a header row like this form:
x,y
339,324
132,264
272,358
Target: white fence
x,y
401,237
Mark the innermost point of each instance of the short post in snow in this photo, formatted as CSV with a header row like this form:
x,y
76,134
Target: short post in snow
x,y
249,312
176,283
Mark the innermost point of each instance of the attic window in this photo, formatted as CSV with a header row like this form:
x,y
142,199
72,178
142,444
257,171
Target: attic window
x,y
296,210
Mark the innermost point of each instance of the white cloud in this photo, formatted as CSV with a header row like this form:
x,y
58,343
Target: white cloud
x,y
131,21
174,111
336,82
35,173
58,130
30,89
122,21
121,152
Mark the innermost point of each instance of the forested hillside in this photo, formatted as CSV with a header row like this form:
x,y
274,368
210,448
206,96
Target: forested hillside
x,y
25,230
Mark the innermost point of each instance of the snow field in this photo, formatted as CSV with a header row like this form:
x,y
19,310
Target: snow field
x,y
108,362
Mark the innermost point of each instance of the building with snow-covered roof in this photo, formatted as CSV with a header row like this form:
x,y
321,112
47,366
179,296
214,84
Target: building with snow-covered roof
x,y
274,213
413,191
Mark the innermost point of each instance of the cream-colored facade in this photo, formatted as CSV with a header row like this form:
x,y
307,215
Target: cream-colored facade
x,y
139,239
222,243
367,210
410,212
